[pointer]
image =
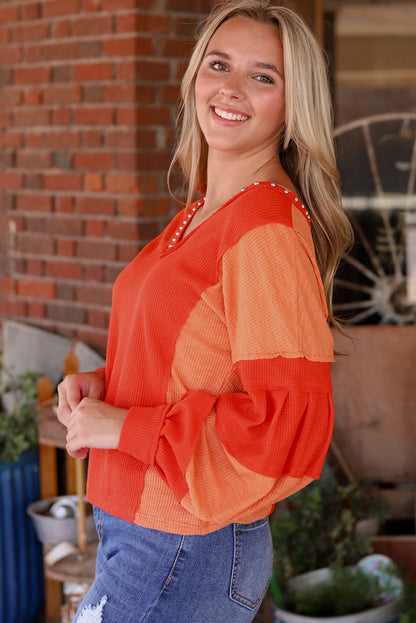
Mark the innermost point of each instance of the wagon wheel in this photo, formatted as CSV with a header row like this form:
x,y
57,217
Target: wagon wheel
x,y
377,161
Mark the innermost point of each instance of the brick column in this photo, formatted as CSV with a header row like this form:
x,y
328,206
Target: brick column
x,y
88,93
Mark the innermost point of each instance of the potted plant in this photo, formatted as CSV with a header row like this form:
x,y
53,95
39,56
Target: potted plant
x,y
21,569
318,545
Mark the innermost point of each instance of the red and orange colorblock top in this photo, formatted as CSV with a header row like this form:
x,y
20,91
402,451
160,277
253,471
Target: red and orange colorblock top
x,y
220,350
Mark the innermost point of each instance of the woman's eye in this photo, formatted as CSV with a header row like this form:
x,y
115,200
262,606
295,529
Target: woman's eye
x,y
263,78
218,66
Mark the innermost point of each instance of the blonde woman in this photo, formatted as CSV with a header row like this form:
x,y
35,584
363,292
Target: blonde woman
x,y
216,401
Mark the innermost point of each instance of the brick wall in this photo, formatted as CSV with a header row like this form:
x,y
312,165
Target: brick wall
x,y
88,92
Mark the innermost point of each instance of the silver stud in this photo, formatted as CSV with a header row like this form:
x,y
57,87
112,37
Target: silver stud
x,y
296,199
242,190
256,183
184,222
181,227
303,206
170,246
272,184
174,239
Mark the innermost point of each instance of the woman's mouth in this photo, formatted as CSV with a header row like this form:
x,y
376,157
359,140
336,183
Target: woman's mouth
x,y
229,116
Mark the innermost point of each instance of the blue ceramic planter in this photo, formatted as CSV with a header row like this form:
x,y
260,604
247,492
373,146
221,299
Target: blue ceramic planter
x,y
21,569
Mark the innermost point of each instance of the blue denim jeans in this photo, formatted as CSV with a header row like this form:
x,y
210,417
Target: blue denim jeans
x,y
147,576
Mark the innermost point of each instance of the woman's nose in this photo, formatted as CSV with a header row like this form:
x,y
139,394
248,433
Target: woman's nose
x,y
232,88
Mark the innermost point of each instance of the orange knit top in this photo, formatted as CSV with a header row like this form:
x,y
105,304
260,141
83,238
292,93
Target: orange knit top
x,y
220,350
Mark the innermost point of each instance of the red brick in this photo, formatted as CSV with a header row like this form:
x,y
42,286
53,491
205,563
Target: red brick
x,y
154,115
62,181
61,28
61,139
94,272
30,32
94,116
7,285
10,55
126,116
97,318
123,230
54,8
65,248
35,309
32,97
32,288
10,180
27,159
121,138
129,46
92,249
93,338
31,117
33,140
89,6
5,35
63,226
121,183
150,161
92,25
64,270
10,139
9,14
177,47
93,93
94,228
94,161
118,5
120,93
32,202
94,205
34,267
93,182
32,53
155,23
64,204
94,295
61,51
93,71
67,94
61,116
68,313
36,244
92,138
31,11
127,161
9,307
127,251
33,180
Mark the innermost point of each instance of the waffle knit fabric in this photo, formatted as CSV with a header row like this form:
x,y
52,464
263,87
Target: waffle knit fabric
x,y
220,350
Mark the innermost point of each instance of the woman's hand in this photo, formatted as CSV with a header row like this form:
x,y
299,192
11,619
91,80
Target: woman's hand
x,y
93,424
75,387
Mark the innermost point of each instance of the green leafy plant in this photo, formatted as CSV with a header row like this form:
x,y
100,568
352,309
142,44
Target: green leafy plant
x,y
409,602
317,527
348,591
18,425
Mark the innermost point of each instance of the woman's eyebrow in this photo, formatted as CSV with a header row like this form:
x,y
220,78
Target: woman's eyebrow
x,y
257,64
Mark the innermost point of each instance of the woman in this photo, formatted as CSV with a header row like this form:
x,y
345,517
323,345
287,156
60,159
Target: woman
x,y
215,402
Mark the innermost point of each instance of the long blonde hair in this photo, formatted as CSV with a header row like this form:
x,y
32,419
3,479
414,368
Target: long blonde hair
x,y
306,150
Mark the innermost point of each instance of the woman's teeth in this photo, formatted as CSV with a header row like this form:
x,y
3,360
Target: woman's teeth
x,y
229,116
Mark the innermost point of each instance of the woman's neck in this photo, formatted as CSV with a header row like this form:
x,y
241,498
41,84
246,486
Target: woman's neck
x,y
225,179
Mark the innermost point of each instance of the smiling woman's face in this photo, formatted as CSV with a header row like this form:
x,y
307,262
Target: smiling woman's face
x,y
240,90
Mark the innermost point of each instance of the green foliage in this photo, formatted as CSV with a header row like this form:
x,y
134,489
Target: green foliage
x,y
317,526
409,600
346,592
19,427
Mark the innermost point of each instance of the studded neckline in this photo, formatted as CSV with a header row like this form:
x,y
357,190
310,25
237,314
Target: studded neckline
x,y
179,233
